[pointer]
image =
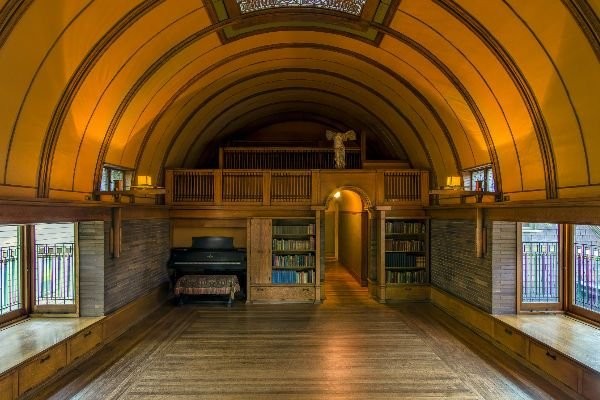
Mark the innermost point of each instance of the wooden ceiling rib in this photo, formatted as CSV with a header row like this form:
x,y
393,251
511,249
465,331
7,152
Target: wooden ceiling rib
x,y
450,84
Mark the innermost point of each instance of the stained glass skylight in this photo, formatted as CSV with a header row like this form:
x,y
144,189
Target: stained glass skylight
x,y
347,6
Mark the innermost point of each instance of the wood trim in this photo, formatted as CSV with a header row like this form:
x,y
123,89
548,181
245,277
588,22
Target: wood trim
x,y
569,292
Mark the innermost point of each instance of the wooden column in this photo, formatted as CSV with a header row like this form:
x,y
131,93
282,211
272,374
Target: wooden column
x,y
480,234
266,182
381,252
117,219
218,186
169,186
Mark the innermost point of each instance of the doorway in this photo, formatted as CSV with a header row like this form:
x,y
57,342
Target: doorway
x,y
346,234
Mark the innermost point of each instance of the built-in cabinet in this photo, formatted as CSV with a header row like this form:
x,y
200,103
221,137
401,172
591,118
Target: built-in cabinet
x,y
284,259
403,257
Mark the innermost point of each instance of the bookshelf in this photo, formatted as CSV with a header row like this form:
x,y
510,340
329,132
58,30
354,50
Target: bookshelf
x,y
404,260
285,259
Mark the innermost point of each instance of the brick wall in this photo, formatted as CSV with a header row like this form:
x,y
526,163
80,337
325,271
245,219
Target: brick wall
x,y
455,267
488,283
504,267
142,264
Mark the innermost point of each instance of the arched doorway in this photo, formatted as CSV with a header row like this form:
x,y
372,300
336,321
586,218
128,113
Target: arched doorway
x,y
346,231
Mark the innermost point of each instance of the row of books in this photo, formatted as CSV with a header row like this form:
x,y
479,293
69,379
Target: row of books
x,y
403,260
295,260
287,244
404,245
404,227
293,277
294,229
406,276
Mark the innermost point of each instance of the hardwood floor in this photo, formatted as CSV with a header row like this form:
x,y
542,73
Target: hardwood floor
x,y
350,347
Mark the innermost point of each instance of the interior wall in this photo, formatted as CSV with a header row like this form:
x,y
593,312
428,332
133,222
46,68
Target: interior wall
x,y
331,227
184,230
142,265
350,232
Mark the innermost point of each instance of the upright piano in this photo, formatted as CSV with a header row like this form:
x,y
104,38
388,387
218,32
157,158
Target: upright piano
x,y
209,255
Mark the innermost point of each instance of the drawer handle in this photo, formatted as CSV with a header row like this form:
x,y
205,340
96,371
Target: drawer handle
x,y
88,333
508,331
407,288
45,358
552,356
306,289
260,289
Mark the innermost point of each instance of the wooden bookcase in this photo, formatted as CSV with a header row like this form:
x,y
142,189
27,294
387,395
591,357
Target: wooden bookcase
x,y
284,259
404,258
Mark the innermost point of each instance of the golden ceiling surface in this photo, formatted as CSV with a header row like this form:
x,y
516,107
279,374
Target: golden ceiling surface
x,y
450,84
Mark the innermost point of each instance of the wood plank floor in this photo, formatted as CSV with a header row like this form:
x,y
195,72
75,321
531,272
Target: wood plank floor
x,y
350,347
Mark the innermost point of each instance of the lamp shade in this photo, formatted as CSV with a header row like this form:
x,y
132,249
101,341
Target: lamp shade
x,y
453,181
144,180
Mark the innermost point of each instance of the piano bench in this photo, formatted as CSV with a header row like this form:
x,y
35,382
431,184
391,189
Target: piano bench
x,y
225,285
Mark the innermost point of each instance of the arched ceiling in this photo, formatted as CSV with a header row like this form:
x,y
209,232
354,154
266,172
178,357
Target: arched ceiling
x,y
449,84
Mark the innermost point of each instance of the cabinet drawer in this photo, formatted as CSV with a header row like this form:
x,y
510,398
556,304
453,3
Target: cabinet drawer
x,y
42,367
407,292
510,338
554,364
83,342
591,384
8,386
283,293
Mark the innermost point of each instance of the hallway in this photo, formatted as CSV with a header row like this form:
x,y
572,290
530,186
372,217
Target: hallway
x,y
350,347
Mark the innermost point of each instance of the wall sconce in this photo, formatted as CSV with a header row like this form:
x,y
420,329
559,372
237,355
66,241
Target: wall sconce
x,y
337,194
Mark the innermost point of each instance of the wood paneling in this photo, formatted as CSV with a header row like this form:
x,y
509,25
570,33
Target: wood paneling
x,y
407,292
590,384
119,321
260,244
510,338
42,367
277,294
84,342
554,365
9,387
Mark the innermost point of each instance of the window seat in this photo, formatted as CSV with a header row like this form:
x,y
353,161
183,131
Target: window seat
x,y
36,349
30,337
567,335
562,349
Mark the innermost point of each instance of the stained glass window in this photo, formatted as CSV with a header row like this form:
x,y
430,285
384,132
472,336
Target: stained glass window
x,y
481,178
347,6
115,178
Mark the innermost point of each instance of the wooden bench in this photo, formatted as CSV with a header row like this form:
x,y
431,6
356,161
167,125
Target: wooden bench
x,y
221,285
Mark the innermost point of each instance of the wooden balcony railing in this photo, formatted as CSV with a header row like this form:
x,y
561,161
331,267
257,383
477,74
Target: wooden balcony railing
x,y
293,187
288,158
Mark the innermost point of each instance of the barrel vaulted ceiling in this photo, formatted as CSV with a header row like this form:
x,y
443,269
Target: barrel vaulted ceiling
x,y
450,84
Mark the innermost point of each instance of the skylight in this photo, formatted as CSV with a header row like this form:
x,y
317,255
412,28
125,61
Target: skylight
x,y
348,6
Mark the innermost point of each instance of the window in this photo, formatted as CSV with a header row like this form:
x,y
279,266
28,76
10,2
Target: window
x,y
585,280
479,178
559,268
115,178
11,273
540,276
38,269
55,269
